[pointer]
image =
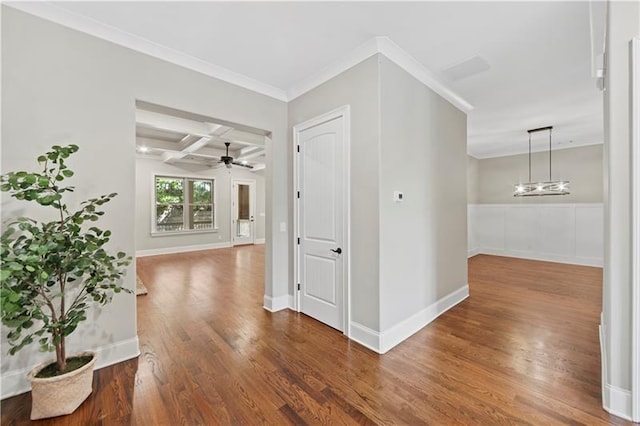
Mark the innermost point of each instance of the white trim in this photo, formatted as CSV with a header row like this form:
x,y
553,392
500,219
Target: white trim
x,y
543,257
278,303
344,112
15,382
411,65
473,252
181,249
537,205
617,401
354,57
232,214
385,341
214,200
382,45
386,47
52,12
604,366
367,337
635,223
260,241
496,236
405,329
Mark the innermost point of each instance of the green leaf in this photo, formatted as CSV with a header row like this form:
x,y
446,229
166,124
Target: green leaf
x,y
67,173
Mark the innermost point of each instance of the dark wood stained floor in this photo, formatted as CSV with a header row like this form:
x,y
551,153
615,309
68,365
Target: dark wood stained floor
x,y
522,349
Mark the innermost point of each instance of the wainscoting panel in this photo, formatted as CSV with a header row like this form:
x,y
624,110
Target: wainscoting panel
x,y
567,233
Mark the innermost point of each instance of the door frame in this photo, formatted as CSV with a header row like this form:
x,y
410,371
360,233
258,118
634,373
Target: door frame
x,y
252,196
344,112
635,223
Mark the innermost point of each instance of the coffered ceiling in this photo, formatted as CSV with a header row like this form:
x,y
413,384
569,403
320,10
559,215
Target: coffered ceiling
x,y
179,137
518,65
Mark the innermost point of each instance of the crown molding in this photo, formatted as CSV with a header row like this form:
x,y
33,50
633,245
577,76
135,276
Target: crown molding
x,y
383,45
404,60
393,52
359,54
502,151
51,12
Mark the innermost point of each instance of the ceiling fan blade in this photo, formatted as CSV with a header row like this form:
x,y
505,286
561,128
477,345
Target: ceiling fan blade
x,y
248,166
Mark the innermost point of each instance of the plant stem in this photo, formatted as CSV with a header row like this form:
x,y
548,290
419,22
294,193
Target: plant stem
x,y
61,356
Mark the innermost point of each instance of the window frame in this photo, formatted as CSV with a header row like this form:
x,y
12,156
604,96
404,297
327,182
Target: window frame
x,y
186,203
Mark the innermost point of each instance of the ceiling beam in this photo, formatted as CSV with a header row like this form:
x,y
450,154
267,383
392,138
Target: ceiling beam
x,y
251,155
248,149
193,146
179,125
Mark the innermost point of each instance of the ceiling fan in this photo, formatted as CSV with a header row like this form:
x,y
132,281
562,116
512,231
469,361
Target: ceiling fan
x,y
228,161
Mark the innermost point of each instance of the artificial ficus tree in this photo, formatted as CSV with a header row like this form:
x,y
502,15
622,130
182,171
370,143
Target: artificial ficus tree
x,y
53,271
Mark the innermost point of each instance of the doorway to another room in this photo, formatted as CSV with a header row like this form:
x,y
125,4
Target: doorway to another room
x,y
243,230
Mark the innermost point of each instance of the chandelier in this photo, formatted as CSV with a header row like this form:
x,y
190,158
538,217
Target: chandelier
x,y
550,187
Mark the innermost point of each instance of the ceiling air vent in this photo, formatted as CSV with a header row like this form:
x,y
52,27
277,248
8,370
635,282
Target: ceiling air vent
x,y
467,68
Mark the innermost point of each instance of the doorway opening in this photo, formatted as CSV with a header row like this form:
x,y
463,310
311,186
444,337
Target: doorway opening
x,y
243,195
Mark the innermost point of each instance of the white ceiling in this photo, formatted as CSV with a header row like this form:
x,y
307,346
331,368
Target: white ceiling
x,y
174,137
540,54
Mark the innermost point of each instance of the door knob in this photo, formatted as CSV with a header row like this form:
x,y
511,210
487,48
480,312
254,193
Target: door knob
x,y
338,250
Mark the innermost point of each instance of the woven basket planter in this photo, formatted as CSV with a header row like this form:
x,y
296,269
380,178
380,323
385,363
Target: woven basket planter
x,y
60,395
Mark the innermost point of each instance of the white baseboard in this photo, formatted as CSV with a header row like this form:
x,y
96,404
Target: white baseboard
x,y
604,373
278,303
385,341
181,249
365,336
618,401
473,252
584,261
615,400
15,382
259,241
403,330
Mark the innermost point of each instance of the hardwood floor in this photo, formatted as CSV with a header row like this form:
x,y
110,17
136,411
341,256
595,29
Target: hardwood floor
x,y
522,349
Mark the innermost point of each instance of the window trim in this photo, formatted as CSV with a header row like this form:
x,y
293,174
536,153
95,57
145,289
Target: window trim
x,y
184,177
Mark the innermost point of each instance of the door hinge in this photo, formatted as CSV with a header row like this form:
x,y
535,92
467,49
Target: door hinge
x,y
298,148
298,240
298,286
298,194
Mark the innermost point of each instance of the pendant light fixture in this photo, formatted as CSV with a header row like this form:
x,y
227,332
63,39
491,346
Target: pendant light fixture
x,y
550,187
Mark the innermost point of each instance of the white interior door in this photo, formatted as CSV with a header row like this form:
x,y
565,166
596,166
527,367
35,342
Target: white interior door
x,y
243,215
320,221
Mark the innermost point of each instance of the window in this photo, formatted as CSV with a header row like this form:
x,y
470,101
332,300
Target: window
x,y
183,204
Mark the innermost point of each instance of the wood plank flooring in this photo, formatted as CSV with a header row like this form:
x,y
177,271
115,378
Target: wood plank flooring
x,y
522,349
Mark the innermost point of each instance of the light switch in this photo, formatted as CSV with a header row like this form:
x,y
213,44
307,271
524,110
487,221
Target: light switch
x,y
283,226
398,196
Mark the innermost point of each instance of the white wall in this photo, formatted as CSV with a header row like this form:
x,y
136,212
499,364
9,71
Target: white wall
x,y
147,168
473,179
423,239
408,260
357,87
567,233
61,86
623,24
